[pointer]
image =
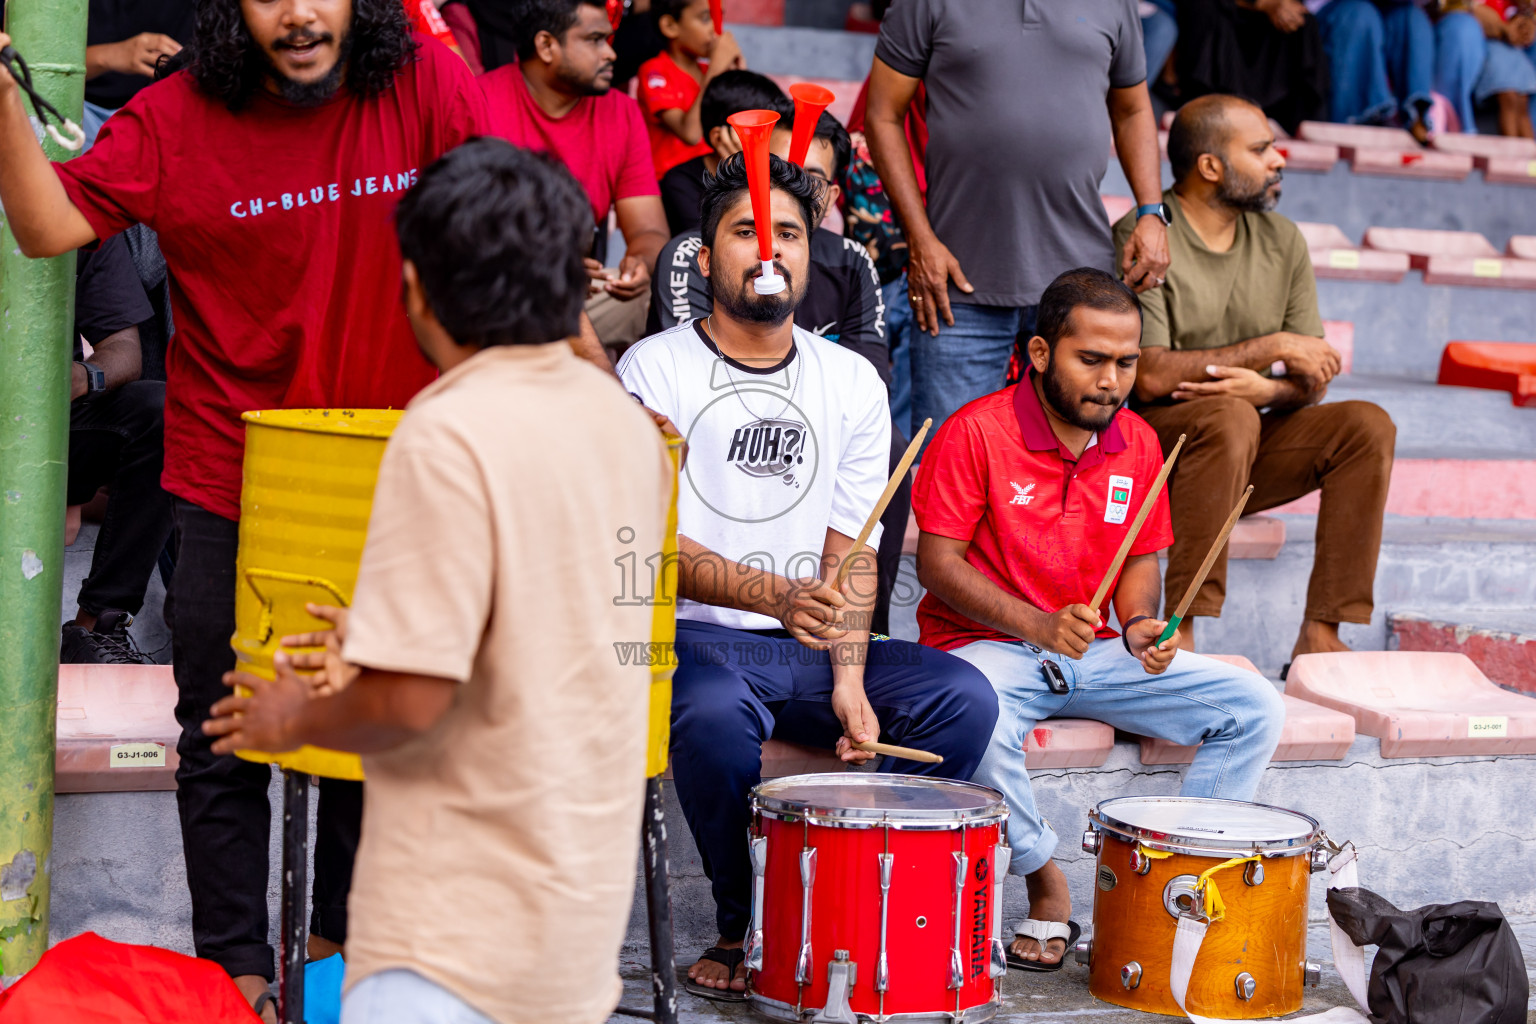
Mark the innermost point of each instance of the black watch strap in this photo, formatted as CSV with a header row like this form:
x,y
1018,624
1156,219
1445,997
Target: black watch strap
x,y
1125,631
95,379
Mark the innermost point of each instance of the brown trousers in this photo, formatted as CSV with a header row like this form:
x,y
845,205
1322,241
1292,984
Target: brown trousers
x,y
1345,448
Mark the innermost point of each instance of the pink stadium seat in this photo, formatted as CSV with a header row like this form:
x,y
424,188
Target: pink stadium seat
x,y
1116,207
1069,743
1481,272
1259,537
1301,155
1482,148
1420,704
1521,247
754,12
1335,256
1421,243
1411,164
1496,365
1501,170
1341,335
1312,732
846,92
117,729
1352,137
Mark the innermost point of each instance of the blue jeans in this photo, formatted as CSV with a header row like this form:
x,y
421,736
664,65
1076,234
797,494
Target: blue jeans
x,y
1461,49
1159,31
1382,60
91,121
734,689
965,361
399,996
898,331
1235,716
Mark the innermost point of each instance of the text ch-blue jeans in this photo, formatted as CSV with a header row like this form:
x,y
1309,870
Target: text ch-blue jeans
x,y
1235,715
965,361
1381,59
734,689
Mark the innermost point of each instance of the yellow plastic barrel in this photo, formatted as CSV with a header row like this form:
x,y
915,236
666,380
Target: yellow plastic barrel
x,y
309,479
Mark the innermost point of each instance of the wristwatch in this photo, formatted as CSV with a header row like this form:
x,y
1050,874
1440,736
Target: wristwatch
x,y
95,379
1158,210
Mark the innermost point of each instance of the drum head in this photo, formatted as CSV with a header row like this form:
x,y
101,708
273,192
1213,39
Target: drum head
x,y
1193,824
863,800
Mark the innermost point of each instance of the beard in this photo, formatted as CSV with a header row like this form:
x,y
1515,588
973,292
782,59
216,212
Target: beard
x,y
1083,413
311,94
744,304
594,86
1242,194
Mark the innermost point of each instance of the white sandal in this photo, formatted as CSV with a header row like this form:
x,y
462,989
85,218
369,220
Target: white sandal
x,y
1043,932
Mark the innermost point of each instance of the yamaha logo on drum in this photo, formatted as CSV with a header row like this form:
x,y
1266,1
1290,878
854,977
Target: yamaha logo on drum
x,y
981,914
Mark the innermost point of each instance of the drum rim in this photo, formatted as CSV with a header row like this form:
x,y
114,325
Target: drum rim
x,y
1179,843
777,1009
769,806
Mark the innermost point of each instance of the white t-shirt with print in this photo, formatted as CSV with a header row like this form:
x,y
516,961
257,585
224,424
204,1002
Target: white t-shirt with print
x,y
776,455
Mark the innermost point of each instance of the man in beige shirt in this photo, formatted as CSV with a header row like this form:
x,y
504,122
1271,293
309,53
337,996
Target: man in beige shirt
x,y
1240,297
502,739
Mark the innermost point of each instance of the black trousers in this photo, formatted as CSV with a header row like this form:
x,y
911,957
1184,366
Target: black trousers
x,y
222,800
115,439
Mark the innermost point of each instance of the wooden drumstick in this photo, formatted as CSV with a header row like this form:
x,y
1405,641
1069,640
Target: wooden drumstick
x,y
1130,536
885,499
1205,566
903,752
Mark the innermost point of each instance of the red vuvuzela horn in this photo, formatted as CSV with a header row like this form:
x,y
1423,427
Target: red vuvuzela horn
x,y
717,15
810,101
753,127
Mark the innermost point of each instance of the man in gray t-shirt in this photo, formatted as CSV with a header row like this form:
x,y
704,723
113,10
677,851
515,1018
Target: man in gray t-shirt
x,y
1024,98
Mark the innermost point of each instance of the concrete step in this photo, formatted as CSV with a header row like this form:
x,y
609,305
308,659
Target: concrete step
x,y
1500,641
1441,421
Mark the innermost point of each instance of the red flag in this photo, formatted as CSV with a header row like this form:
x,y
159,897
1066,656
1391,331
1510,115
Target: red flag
x,y
717,15
753,127
810,101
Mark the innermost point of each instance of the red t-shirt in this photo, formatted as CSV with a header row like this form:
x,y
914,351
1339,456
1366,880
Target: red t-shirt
x,y
276,224
665,86
602,139
1041,526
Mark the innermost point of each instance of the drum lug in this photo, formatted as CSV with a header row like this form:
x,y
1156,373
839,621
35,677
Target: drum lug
x,y
1319,858
841,975
1140,862
1002,856
758,849
1254,874
1245,986
1083,952
956,961
1091,840
882,965
1130,975
1311,974
807,880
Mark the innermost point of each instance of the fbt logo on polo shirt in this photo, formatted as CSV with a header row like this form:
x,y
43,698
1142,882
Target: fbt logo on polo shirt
x,y
1021,495
1118,501
317,194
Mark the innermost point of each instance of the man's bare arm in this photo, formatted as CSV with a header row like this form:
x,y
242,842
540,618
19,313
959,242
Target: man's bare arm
x,y
1144,260
943,570
1161,369
119,357
37,208
586,344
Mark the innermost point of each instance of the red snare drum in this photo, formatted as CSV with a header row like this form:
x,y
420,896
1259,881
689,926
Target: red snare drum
x,y
876,896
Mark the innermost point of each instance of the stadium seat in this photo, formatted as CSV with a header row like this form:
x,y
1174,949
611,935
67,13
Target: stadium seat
x,y
1116,207
1257,537
1421,243
1352,137
1335,256
117,729
1411,164
1504,650
1495,365
1510,171
1341,335
754,12
1480,272
1068,743
1521,247
1301,155
1482,148
1419,704
1312,732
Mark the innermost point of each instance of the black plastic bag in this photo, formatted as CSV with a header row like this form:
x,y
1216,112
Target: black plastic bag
x,y
1452,963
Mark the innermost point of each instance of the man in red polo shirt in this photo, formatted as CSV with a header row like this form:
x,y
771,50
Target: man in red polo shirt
x,y
1023,498
270,169
557,99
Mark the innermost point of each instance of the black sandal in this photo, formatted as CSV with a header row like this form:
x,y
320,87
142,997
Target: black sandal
x,y
730,959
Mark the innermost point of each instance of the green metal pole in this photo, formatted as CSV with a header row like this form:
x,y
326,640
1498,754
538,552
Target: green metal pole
x,y
36,331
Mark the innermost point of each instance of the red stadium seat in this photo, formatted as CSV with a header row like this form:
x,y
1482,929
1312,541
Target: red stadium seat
x,y
1312,732
1420,244
755,12
1420,704
1411,164
1482,148
1481,272
1495,365
1335,256
1510,171
1521,247
1301,155
1068,743
1352,137
117,729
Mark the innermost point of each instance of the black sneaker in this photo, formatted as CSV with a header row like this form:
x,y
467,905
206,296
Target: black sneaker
x,y
107,644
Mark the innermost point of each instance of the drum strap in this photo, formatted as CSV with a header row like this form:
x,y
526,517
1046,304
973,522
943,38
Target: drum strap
x,y
1348,958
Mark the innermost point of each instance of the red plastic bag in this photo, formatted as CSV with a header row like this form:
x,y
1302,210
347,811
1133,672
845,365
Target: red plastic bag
x,y
91,980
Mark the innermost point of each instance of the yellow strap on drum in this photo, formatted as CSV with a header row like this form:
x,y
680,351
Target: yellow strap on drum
x,y
309,481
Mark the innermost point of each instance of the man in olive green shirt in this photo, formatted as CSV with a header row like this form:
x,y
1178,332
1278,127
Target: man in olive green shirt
x,y
1240,298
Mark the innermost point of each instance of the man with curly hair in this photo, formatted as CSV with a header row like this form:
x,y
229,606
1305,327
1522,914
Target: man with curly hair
x,y
270,168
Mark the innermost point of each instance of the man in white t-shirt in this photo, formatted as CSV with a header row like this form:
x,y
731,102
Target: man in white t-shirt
x,y
788,444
